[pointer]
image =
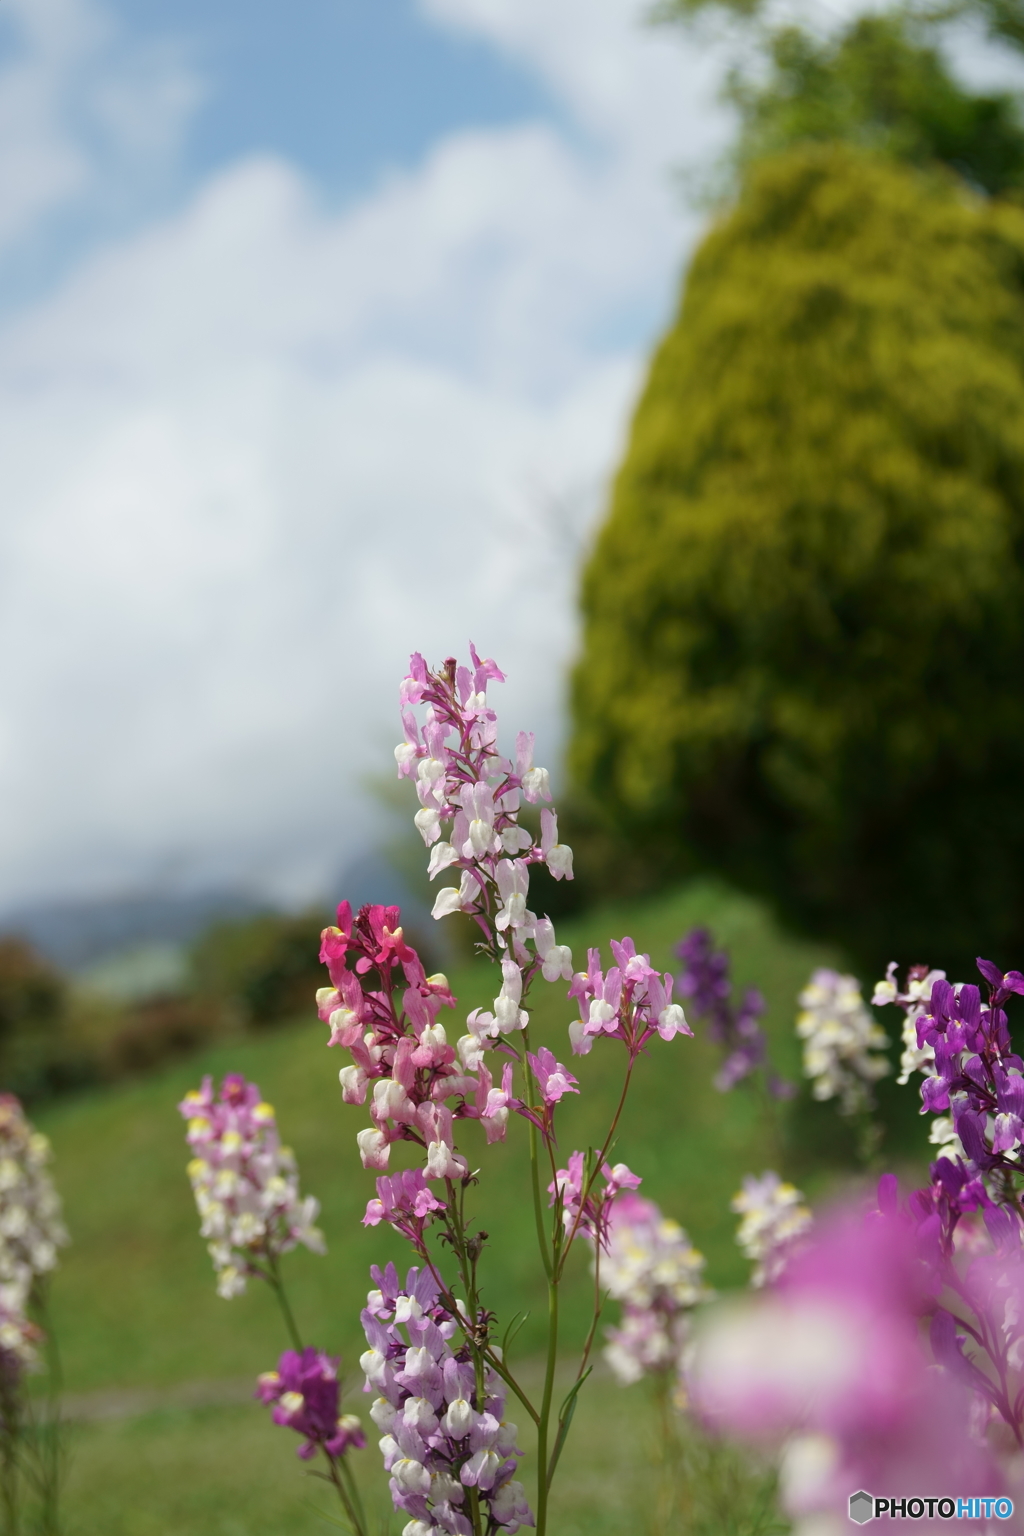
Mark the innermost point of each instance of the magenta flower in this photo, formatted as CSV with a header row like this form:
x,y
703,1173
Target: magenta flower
x,y
405,1201
831,1365
305,1393
553,1079
962,1047
384,1009
586,1209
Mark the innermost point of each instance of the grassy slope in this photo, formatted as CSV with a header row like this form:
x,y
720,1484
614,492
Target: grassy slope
x,y
134,1299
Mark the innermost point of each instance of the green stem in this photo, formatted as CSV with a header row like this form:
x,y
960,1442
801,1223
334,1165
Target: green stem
x,y
277,1286
349,1477
49,1445
9,1435
538,1204
543,1471
358,1525
340,1470
598,1308
598,1165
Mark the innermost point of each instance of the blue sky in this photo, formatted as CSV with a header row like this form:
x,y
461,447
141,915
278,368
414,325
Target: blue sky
x,y
320,327
348,90
344,88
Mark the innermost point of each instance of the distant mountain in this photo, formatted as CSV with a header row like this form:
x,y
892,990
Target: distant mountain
x,y
81,933
76,934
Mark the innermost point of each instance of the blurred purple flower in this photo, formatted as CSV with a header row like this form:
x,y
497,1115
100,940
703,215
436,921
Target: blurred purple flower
x,y
704,980
306,1395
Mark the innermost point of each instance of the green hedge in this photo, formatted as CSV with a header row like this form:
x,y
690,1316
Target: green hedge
x,y
803,650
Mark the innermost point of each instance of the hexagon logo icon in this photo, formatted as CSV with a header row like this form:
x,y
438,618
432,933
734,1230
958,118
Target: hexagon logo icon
x,y
862,1507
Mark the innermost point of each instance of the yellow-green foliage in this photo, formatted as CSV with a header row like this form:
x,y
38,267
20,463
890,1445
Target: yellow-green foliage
x,y
803,655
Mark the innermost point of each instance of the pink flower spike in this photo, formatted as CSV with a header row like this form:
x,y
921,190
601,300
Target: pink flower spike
x,y
553,1079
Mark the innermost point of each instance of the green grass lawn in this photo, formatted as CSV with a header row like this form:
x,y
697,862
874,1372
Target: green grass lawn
x,y
134,1300
230,1472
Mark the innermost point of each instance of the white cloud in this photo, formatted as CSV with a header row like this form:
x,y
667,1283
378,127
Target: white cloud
x,y
262,450
82,109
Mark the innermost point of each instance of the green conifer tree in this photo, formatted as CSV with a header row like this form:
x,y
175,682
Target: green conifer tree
x,y
803,646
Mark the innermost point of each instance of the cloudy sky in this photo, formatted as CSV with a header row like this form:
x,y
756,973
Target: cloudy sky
x,y
319,329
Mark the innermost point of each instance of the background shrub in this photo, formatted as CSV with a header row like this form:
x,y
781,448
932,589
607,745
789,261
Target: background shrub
x,y
803,646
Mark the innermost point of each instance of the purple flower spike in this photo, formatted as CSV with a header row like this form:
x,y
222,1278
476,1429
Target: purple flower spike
x,y
704,980
305,1394
440,1434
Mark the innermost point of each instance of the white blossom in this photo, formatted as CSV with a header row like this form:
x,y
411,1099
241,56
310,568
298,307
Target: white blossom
x,y
839,1035
774,1217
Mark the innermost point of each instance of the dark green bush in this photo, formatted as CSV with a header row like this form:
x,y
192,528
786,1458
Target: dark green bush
x,y
261,969
803,647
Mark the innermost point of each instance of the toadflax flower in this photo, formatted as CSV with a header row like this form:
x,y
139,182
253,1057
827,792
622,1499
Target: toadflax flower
x,y
830,1368
654,1271
585,1209
246,1184
631,1003
704,980
839,1035
972,1079
31,1229
914,1001
385,1010
470,798
441,1435
774,1219
306,1394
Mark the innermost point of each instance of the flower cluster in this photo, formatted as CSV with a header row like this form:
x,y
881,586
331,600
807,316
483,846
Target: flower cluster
x,y
585,1209
774,1218
972,1078
305,1392
444,1442
631,1003
470,797
914,1002
839,1035
383,1008
653,1270
246,1184
31,1229
704,980
966,1223
829,1366
970,1250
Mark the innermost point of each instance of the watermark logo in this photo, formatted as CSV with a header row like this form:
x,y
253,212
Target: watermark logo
x,y
865,1506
